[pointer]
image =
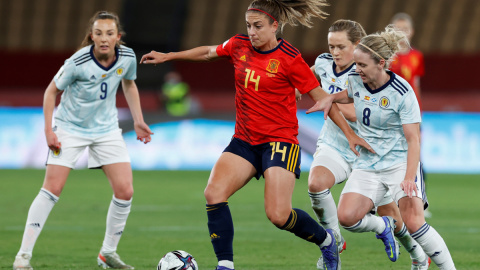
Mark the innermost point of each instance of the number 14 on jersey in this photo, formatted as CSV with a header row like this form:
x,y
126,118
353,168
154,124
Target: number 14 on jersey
x,y
251,78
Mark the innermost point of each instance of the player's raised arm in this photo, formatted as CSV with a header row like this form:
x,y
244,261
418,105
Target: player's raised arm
x,y
198,54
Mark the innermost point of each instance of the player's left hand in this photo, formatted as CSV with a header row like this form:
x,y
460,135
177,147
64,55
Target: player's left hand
x,y
409,187
298,95
355,140
143,132
324,104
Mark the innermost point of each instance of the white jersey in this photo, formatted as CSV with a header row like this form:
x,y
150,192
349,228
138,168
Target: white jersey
x,y
380,116
88,104
333,82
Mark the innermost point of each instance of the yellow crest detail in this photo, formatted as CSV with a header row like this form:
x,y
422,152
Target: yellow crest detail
x,y
119,71
384,102
243,58
104,75
273,65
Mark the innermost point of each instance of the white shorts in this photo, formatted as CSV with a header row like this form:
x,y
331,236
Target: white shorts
x,y
329,158
103,150
375,184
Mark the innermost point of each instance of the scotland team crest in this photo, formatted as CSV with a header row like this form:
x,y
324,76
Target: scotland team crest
x,y
57,153
119,72
384,102
273,65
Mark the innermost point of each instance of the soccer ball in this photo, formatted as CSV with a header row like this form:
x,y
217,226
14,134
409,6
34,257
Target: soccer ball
x,y
177,260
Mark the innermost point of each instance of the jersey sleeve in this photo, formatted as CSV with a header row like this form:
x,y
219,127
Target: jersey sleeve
x,y
301,76
132,70
66,75
409,109
224,50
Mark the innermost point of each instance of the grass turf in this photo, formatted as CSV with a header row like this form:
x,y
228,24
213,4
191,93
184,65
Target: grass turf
x,y
168,213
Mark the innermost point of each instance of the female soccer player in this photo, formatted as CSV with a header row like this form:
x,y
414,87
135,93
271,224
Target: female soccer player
x,y
87,116
332,161
267,71
388,118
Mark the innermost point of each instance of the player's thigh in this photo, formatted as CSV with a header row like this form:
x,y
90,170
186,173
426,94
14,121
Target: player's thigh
x,y
120,177
279,185
230,173
328,168
108,149
55,178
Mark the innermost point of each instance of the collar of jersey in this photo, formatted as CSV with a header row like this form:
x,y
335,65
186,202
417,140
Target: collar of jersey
x,y
98,64
272,50
392,77
334,66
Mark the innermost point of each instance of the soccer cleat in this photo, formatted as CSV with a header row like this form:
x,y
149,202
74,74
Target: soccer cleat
x,y
342,245
223,268
111,261
416,265
391,245
331,260
22,262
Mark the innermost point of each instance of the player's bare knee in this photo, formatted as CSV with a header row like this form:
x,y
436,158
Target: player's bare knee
x,y
346,219
277,217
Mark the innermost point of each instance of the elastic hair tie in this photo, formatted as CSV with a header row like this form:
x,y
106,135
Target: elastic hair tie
x,y
256,9
368,48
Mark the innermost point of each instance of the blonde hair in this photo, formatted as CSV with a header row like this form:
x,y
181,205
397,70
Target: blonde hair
x,y
383,45
353,29
290,11
102,15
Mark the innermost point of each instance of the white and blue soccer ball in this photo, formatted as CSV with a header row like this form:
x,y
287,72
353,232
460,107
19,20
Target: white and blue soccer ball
x,y
177,260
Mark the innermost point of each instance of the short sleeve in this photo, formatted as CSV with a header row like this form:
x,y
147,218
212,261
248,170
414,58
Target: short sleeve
x,y
66,75
301,76
409,110
132,70
350,86
224,50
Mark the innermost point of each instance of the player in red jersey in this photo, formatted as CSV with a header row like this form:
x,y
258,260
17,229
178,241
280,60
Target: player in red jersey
x,y
267,71
409,62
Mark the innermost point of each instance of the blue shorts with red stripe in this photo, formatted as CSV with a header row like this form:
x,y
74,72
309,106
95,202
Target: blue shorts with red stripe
x,y
266,155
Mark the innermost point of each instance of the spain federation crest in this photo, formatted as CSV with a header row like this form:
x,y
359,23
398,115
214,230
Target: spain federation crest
x,y
384,102
273,65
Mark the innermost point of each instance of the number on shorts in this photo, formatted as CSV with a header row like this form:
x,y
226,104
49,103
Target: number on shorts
x,y
276,149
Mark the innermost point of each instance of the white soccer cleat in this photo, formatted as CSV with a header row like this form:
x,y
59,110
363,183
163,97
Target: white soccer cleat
x,y
111,261
22,262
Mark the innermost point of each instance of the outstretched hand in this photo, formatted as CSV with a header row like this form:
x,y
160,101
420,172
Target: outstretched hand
x,y
324,104
143,132
153,57
355,140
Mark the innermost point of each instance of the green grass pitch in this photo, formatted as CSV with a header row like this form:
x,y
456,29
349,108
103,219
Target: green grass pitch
x,y
168,213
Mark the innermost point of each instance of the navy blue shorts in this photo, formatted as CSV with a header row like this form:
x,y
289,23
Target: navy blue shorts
x,y
266,155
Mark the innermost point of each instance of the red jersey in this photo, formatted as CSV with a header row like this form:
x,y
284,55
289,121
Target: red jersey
x,y
265,83
409,66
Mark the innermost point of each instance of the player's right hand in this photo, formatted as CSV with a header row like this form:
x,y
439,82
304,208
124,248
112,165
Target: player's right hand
x,y
153,57
52,141
356,140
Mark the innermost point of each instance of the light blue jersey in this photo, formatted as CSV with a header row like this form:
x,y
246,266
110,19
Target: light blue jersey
x,y
88,104
380,116
333,82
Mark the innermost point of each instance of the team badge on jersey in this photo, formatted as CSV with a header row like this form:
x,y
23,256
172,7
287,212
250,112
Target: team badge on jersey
x,y
384,102
273,65
57,153
243,58
119,72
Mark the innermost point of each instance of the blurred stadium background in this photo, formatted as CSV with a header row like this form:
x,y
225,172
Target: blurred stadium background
x,y
38,35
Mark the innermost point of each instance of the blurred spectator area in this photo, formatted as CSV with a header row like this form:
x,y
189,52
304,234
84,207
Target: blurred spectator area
x,y
36,36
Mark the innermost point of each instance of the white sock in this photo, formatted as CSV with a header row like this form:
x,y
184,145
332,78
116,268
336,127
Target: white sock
x,y
327,241
434,245
116,220
226,263
369,223
325,209
415,250
37,216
